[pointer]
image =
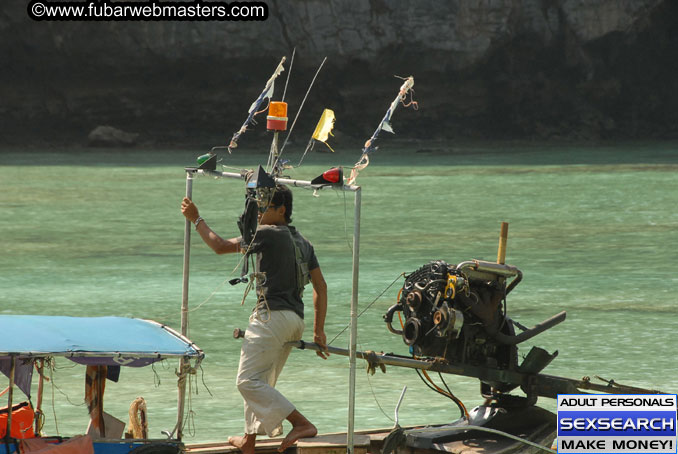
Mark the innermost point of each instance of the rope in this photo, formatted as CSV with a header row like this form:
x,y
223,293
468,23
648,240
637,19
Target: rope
x,y
360,165
211,294
261,111
202,377
309,147
385,123
256,277
494,431
413,103
189,420
138,421
218,287
245,255
368,306
449,394
350,246
297,116
375,395
459,403
189,415
50,365
156,376
40,422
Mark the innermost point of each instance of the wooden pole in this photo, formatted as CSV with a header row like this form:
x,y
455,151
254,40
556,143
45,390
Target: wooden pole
x,y
503,237
41,386
10,395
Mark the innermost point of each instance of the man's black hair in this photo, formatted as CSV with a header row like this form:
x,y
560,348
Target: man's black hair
x,y
283,197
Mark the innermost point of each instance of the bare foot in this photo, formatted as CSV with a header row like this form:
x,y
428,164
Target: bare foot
x,y
245,443
301,431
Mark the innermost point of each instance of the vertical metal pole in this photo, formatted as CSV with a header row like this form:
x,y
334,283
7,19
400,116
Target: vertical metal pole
x,y
273,153
184,309
354,325
10,395
187,259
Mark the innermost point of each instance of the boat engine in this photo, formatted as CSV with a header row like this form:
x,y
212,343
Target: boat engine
x,y
457,314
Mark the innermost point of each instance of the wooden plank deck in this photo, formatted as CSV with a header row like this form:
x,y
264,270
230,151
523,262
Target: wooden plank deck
x,y
332,443
533,424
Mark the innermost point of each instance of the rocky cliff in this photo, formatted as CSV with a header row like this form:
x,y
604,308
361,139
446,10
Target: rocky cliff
x,y
547,69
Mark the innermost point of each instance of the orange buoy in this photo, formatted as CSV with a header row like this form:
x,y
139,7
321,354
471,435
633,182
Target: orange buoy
x,y
277,116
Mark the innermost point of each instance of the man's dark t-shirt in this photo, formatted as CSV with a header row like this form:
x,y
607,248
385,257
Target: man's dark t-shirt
x,y
276,258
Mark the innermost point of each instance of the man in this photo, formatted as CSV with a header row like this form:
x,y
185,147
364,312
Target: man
x,y
285,261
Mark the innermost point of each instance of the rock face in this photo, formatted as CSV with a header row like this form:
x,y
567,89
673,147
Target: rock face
x,y
583,69
108,136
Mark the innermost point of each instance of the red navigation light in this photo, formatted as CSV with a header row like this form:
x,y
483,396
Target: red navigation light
x,y
333,176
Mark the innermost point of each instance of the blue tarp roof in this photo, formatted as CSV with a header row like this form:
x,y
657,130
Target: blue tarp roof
x,y
122,339
103,341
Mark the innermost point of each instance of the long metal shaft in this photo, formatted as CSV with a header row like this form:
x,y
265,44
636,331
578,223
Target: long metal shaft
x,y
354,325
184,310
187,260
287,181
540,384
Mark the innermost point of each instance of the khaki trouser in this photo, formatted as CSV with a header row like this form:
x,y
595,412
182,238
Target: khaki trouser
x,y
262,357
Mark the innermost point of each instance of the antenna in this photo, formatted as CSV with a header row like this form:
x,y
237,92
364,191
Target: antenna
x,y
275,163
289,72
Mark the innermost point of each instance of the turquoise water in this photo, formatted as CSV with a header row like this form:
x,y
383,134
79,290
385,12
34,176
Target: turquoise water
x,y
594,229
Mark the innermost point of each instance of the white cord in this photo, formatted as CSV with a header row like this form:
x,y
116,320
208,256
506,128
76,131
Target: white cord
x,y
493,431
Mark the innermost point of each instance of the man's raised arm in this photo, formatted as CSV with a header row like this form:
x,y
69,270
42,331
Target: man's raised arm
x,y
214,241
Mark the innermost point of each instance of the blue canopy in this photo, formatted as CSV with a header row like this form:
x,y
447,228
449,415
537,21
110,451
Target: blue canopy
x,y
92,340
103,341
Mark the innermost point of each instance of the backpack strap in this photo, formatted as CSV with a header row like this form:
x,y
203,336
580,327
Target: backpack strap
x,y
303,275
